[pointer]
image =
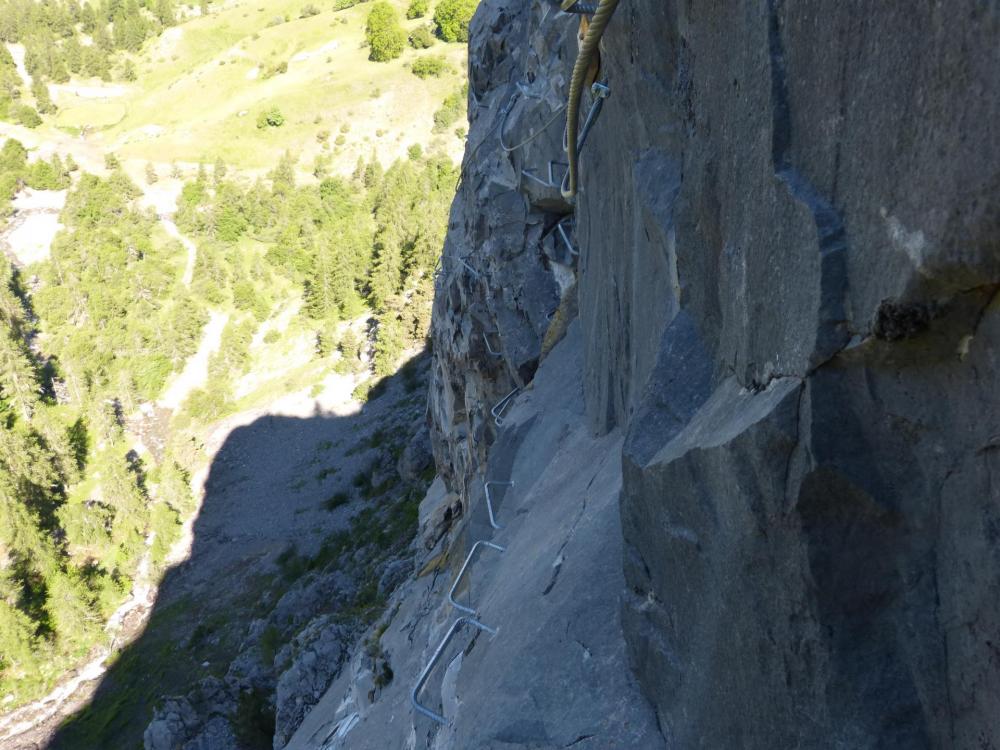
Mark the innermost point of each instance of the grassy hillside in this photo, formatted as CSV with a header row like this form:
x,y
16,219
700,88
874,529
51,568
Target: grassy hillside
x,y
202,84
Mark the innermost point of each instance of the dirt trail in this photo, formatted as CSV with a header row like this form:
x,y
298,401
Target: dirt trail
x,y
195,372
17,52
192,250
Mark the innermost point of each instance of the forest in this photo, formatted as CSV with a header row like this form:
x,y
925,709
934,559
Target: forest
x,y
64,39
95,332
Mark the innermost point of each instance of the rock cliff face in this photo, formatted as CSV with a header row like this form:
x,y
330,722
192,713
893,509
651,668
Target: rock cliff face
x,y
773,309
790,232
789,237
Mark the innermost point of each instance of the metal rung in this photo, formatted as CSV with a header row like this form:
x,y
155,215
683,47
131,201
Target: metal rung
x,y
434,660
489,348
552,179
439,269
565,238
458,578
497,411
489,502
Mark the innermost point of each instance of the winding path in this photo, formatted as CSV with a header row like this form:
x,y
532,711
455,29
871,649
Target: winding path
x,y
192,250
195,372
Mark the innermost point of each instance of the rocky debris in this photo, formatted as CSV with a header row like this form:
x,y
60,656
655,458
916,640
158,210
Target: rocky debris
x,y
317,654
288,655
197,721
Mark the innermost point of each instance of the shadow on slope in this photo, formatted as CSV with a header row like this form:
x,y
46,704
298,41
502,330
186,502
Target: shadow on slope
x,y
287,501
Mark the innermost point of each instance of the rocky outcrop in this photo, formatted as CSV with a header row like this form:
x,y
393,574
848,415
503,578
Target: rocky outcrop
x,y
315,656
504,268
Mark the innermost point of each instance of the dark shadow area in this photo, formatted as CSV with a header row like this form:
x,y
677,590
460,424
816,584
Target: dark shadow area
x,y
290,504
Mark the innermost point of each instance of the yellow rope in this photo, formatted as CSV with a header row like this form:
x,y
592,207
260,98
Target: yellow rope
x,y
583,63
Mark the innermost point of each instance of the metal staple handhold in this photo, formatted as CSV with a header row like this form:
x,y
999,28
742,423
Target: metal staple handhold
x,y
552,179
497,411
489,348
434,660
565,238
489,502
461,572
442,260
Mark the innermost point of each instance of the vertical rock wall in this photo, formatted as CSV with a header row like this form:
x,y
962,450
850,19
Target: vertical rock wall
x,y
790,222
789,234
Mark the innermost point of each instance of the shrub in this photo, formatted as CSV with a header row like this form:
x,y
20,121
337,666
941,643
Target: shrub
x,y
427,67
415,152
26,115
308,10
421,37
418,9
270,118
336,500
273,70
451,109
452,19
386,38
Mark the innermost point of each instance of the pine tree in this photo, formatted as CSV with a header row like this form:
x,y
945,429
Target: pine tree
x,y
42,99
373,174
88,18
18,377
73,54
389,344
283,175
164,12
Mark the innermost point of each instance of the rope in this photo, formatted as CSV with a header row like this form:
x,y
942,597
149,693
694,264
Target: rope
x,y
587,50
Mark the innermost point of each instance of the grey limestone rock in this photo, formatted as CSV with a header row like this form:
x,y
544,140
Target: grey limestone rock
x,y
319,652
789,259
